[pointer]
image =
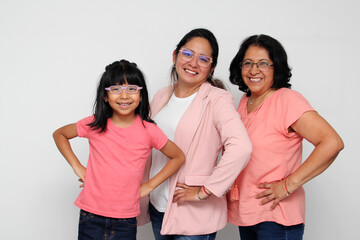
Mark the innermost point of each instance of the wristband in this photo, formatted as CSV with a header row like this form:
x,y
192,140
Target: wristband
x,y
201,199
203,187
287,191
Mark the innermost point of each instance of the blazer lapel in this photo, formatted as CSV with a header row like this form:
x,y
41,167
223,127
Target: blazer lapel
x,y
190,121
158,103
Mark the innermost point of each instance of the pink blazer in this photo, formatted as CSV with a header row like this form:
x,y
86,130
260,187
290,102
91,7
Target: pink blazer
x,y
210,123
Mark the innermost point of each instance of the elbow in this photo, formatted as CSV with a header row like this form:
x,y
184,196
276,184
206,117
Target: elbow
x,y
242,149
336,144
340,144
247,153
250,148
247,150
244,153
181,159
55,134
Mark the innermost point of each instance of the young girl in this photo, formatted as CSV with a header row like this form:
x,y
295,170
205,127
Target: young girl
x,y
121,136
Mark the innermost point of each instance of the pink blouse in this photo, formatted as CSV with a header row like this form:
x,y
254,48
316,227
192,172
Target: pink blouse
x,y
276,154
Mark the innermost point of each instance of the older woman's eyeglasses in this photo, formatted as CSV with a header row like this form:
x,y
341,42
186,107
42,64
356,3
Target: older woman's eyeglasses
x,y
261,65
117,89
188,55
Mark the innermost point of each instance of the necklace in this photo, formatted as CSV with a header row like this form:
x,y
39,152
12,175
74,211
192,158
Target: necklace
x,y
262,96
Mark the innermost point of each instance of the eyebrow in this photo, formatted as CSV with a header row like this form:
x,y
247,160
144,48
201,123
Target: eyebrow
x,y
201,54
263,59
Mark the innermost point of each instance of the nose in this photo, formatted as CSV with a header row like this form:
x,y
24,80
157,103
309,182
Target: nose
x,y
123,94
193,62
254,69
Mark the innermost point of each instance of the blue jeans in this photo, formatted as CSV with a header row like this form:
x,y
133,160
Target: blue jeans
x,y
272,231
95,227
156,218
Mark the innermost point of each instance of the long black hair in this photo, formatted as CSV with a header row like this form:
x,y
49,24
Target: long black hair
x,y
277,54
119,73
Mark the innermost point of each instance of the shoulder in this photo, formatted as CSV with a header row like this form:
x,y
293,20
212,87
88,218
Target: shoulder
x,y
291,104
83,128
207,90
85,120
148,124
290,97
221,97
159,100
218,100
163,92
243,102
150,128
155,135
289,93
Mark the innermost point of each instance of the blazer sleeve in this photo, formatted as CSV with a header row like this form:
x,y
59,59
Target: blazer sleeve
x,y
236,145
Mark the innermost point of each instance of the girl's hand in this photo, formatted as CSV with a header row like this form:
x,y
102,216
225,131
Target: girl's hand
x,y
81,185
145,189
80,171
186,193
275,191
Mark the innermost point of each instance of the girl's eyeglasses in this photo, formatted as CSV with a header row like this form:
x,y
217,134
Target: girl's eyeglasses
x,y
117,89
188,55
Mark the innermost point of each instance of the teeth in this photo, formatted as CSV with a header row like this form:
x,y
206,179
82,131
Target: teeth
x,y
255,79
187,70
124,104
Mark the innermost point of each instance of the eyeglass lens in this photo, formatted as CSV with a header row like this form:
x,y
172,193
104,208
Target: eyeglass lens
x,y
187,55
262,65
129,89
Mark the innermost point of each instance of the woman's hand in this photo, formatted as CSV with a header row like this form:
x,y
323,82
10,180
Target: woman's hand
x,y
145,189
275,192
186,193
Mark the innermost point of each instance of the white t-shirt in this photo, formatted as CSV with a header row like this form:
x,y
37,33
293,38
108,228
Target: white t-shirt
x,y
167,119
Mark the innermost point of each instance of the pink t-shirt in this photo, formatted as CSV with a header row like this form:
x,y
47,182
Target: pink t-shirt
x,y
116,165
276,154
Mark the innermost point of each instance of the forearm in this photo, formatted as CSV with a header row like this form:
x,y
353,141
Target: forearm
x,y
234,158
319,160
236,146
65,149
327,142
171,167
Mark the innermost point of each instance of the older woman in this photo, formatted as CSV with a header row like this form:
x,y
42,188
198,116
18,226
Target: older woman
x,y
267,200
201,119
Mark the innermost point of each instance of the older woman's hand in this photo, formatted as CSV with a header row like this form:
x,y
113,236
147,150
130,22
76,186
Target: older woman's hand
x,y
275,191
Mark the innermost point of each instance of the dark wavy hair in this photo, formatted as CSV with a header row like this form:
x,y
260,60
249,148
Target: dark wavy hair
x,y
277,54
119,73
206,34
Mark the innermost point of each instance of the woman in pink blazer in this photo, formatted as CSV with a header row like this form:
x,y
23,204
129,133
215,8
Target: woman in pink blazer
x,y
202,120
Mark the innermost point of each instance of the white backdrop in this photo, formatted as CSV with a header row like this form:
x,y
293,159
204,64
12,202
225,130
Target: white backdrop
x,y
52,53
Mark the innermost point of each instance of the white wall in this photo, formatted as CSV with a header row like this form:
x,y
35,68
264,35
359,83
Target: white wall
x,y
52,52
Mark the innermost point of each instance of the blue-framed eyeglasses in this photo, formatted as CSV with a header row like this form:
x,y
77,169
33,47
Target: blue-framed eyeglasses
x,y
188,55
117,89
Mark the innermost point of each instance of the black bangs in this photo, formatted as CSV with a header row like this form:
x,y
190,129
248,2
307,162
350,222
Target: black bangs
x,y
119,73
114,76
